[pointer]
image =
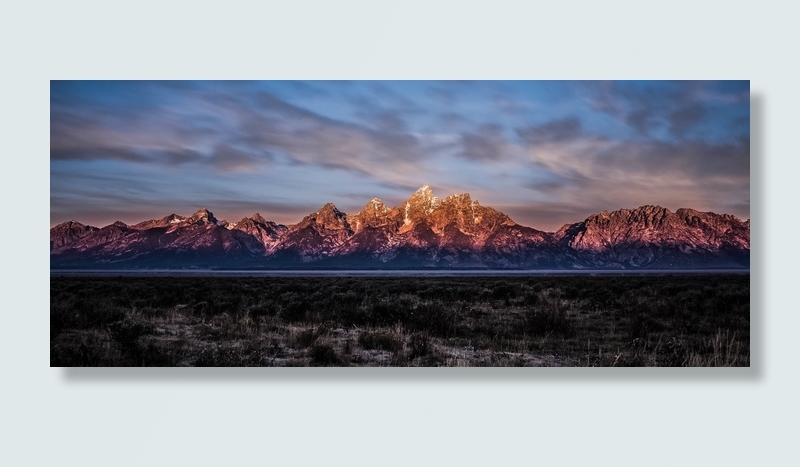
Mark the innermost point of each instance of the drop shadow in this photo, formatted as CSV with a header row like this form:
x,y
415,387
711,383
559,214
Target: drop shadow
x,y
408,375
757,234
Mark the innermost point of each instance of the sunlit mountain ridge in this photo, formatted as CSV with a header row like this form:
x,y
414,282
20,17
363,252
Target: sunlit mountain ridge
x,y
422,232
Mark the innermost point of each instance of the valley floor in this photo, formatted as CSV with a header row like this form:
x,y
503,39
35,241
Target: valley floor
x,y
650,320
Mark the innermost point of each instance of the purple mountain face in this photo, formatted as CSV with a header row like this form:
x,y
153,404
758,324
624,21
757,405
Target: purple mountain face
x,y
652,236
68,232
423,232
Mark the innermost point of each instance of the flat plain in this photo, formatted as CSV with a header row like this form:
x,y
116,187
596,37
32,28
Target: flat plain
x,y
605,320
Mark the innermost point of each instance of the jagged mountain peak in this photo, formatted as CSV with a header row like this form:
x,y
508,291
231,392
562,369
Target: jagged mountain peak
x,y
423,194
204,216
374,214
689,213
644,209
375,207
644,216
166,221
68,232
68,225
257,222
461,198
173,219
329,209
419,205
641,235
652,210
423,231
258,218
425,189
328,216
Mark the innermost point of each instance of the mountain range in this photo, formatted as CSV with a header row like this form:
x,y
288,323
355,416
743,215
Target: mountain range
x,y
423,232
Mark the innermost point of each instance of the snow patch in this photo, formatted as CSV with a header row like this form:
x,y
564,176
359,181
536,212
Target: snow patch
x,y
432,205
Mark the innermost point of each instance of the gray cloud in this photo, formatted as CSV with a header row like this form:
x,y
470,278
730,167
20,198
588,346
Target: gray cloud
x,y
564,169
553,131
508,106
385,97
694,160
309,138
685,116
588,173
228,158
557,182
260,124
89,153
638,109
563,147
442,94
225,158
452,120
676,108
487,144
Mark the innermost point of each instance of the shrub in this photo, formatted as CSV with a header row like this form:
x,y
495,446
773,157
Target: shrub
x,y
263,309
127,332
538,322
295,311
419,344
307,337
435,318
381,340
324,355
389,312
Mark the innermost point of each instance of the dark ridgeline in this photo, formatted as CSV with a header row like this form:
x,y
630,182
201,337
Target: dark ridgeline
x,y
423,232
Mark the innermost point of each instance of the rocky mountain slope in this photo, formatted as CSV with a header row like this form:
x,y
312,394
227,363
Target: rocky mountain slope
x,y
423,231
655,236
68,232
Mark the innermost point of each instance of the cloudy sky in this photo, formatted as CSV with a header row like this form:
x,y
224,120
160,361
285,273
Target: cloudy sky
x,y
544,152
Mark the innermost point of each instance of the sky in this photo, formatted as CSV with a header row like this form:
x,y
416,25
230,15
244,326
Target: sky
x,y
544,152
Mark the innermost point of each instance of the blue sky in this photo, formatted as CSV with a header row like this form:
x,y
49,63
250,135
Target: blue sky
x,y
544,152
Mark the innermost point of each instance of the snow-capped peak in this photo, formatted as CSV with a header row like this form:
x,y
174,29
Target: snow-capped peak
x,y
425,196
375,207
425,190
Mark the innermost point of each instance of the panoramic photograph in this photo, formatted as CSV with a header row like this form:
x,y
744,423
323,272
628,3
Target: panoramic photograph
x,y
400,223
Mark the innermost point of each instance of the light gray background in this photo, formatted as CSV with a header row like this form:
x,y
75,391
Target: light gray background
x,y
97,417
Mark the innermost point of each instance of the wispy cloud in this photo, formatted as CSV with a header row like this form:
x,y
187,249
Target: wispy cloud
x,y
537,148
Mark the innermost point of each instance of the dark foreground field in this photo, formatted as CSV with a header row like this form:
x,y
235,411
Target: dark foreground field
x,y
693,320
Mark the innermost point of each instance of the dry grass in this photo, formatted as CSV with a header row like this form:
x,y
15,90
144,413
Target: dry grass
x,y
405,321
